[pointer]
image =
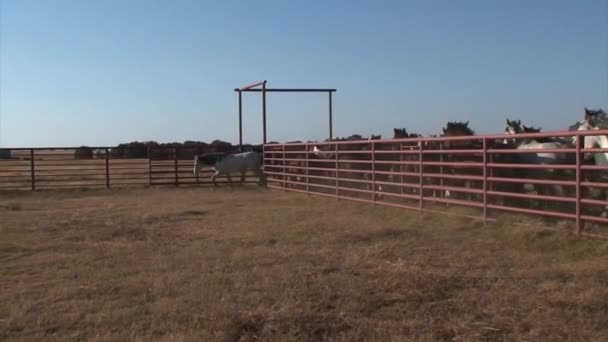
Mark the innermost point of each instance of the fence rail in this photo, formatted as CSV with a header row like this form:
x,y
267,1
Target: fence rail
x,y
99,167
482,173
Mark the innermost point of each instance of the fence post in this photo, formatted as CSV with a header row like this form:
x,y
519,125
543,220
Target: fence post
x,y
149,165
307,170
32,166
374,173
441,169
107,168
175,166
284,171
485,179
421,178
401,168
337,182
579,195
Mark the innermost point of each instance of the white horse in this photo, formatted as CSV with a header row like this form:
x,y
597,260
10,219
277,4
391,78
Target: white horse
x,y
595,141
227,164
515,127
599,158
546,158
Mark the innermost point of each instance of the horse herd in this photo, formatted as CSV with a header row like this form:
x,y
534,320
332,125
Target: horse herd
x,y
450,167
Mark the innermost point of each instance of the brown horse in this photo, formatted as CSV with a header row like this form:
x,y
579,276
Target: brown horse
x,y
353,164
459,129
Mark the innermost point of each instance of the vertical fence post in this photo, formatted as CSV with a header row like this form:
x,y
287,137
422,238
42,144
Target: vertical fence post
x,y
107,168
337,182
284,166
149,164
441,169
307,170
32,166
401,168
421,178
175,166
374,173
579,195
485,179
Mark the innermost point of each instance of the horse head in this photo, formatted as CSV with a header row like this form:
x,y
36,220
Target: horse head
x,y
350,138
541,140
400,133
207,159
594,141
457,128
596,117
513,127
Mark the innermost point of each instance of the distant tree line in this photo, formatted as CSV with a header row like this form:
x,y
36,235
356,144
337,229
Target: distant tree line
x,y
155,150
5,154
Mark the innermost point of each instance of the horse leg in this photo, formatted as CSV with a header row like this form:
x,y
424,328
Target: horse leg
x,y
229,179
605,198
258,175
243,177
213,178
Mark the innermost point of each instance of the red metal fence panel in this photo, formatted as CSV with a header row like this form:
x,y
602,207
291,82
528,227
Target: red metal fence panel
x,y
479,172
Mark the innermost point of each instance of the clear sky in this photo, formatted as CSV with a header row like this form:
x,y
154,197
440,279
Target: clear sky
x,y
101,72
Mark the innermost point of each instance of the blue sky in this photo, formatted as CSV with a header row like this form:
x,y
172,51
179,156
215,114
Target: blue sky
x,y
101,72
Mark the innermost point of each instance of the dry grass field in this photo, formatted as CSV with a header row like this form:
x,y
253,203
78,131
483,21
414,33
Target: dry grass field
x,y
247,264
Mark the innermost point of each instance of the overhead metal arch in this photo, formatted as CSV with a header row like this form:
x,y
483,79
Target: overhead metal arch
x,y
261,87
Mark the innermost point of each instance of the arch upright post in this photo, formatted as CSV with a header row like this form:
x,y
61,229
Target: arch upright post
x,y
331,120
264,110
240,119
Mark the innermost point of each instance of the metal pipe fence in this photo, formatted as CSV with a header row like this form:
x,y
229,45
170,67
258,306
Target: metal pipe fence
x,y
482,173
100,167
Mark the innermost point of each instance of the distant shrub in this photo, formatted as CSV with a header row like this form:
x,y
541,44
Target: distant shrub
x,y
83,152
5,154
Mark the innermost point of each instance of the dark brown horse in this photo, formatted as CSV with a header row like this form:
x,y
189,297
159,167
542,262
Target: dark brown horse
x,y
353,160
460,129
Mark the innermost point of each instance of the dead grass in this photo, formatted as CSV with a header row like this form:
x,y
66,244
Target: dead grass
x,y
247,264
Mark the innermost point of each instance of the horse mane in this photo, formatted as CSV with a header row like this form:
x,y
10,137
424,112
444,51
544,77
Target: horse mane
x,y
530,129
